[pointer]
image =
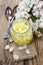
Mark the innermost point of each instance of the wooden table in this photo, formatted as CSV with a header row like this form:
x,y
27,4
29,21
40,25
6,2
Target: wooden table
x,y
38,42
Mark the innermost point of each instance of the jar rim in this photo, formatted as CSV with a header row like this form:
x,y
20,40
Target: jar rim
x,y
22,32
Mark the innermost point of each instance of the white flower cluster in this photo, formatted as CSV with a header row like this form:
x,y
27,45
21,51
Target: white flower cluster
x,y
37,8
23,9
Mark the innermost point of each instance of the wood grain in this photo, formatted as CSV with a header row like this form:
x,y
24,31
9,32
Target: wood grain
x,y
39,44
3,59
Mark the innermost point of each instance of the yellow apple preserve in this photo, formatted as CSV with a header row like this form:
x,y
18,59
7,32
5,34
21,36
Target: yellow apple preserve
x,y
21,32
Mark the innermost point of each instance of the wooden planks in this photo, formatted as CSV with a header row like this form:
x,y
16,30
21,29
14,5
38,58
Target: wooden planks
x,y
6,61
39,44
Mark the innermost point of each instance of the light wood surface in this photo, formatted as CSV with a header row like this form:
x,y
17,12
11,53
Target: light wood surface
x,y
38,42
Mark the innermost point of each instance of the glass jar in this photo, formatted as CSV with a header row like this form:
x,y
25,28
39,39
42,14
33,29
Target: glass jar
x,y
21,32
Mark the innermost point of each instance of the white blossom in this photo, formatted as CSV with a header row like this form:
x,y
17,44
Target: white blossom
x,y
11,49
40,4
22,47
36,25
7,47
10,39
36,13
15,56
31,5
41,24
21,3
27,9
31,23
35,8
17,15
41,13
27,51
20,8
25,14
22,14
27,2
35,2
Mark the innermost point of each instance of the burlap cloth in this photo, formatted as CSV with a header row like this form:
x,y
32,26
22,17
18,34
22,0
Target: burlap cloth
x,y
22,53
